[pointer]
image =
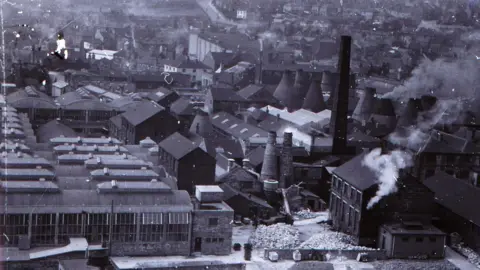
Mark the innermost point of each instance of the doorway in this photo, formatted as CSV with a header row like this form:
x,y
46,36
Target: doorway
x,y
198,244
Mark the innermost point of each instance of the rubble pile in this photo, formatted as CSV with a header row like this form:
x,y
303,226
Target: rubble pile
x,y
331,240
306,214
414,265
472,257
280,235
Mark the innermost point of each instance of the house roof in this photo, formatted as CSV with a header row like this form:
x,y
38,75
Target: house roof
x,y
30,98
142,112
236,127
225,94
230,192
455,195
356,174
160,94
190,64
238,174
182,106
177,145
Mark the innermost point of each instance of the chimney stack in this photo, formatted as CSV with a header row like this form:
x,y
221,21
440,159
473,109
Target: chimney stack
x,y
364,108
269,167
338,121
410,114
286,161
231,163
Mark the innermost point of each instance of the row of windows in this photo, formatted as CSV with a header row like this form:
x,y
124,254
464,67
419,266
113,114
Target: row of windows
x,y
346,213
346,190
214,240
95,227
420,239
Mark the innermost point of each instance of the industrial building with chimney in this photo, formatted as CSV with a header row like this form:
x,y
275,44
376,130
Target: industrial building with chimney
x,y
157,155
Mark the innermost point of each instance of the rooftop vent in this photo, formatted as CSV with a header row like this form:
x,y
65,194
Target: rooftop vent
x,y
90,156
99,160
105,171
125,156
19,154
71,153
42,179
95,147
154,180
38,167
144,168
114,184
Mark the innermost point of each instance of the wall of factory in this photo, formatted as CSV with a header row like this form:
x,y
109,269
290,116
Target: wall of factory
x,y
198,47
197,168
157,128
212,232
450,222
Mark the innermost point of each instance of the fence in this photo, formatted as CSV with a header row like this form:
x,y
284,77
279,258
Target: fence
x,y
319,254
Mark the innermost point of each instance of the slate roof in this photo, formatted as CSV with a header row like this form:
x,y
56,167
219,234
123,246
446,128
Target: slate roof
x,y
190,64
182,106
142,112
177,145
237,174
236,127
225,94
455,195
21,99
160,94
356,174
229,192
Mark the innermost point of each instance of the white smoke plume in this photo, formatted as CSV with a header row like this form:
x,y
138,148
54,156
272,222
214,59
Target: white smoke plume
x,y
443,79
386,168
451,83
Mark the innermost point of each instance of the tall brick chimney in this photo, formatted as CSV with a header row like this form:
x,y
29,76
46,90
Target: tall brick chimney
x,y
286,161
338,121
269,167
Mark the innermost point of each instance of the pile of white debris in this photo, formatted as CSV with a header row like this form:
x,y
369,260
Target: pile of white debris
x,y
331,240
280,235
471,255
306,214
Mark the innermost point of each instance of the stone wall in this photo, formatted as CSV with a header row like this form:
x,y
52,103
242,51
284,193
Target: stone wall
x,y
151,249
201,229
307,254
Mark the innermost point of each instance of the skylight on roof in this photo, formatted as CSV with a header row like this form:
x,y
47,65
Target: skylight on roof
x,y
256,135
224,121
244,130
216,116
233,126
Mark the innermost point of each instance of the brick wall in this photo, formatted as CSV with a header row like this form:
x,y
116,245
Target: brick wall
x,y
202,229
151,249
287,254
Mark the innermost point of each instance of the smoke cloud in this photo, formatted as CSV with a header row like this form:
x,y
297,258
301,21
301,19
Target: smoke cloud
x,y
452,83
458,79
386,168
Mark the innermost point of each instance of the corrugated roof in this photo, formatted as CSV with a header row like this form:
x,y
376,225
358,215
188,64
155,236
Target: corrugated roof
x,y
142,112
132,187
81,140
76,201
456,195
236,127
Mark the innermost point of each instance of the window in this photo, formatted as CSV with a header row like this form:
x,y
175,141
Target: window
x,y
419,239
214,240
70,225
212,221
432,239
178,227
220,240
404,239
209,240
151,227
124,227
15,225
344,188
97,227
43,229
